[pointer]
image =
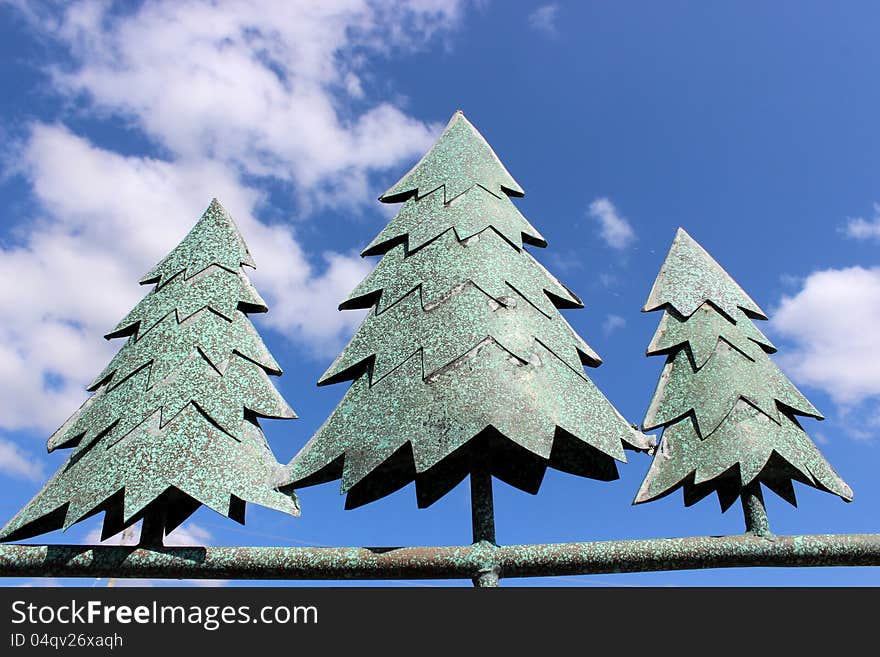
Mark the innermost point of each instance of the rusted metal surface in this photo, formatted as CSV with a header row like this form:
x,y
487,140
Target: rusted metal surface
x,y
172,423
728,413
465,356
455,562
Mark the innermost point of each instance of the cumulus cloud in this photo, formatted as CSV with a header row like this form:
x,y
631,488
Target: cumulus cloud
x,y
832,321
108,219
612,323
863,229
544,18
268,87
14,462
613,227
234,95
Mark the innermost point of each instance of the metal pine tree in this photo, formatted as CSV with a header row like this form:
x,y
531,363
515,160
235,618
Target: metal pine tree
x,y
172,423
728,413
465,366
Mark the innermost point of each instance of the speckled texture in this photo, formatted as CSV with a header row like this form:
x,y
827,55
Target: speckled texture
x,y
701,332
425,218
465,358
728,412
214,240
172,423
459,160
481,258
459,562
448,330
711,391
690,276
212,288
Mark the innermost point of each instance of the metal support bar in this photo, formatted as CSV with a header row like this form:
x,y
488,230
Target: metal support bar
x,y
482,506
463,562
754,510
483,521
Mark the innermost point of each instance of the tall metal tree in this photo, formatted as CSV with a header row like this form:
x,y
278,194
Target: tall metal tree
x,y
465,365
173,421
728,413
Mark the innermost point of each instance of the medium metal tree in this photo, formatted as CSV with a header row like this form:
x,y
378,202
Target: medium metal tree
x,y
465,366
728,413
172,423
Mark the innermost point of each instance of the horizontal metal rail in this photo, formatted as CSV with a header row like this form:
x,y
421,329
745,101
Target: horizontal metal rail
x,y
462,562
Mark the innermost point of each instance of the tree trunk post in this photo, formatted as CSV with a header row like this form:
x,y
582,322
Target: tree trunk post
x,y
483,519
754,511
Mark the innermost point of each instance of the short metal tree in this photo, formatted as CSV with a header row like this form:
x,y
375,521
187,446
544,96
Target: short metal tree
x,y
172,423
465,365
728,413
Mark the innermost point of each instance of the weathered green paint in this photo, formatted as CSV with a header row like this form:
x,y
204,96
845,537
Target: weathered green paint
x,y
460,160
452,326
702,331
690,276
424,218
172,423
454,562
481,258
711,391
727,410
465,354
214,240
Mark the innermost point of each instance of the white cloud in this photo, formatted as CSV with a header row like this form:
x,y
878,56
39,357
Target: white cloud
x,y
612,323
608,279
614,228
264,86
864,229
239,91
16,463
833,321
544,19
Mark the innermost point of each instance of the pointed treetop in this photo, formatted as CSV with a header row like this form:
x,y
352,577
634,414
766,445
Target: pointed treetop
x,y
690,276
214,240
460,159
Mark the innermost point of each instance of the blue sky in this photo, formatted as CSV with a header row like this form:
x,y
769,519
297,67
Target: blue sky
x,y
752,125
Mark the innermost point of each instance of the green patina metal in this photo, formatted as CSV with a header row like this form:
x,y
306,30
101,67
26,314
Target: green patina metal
x,y
727,411
499,272
690,276
172,423
449,328
464,366
459,161
482,561
470,214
